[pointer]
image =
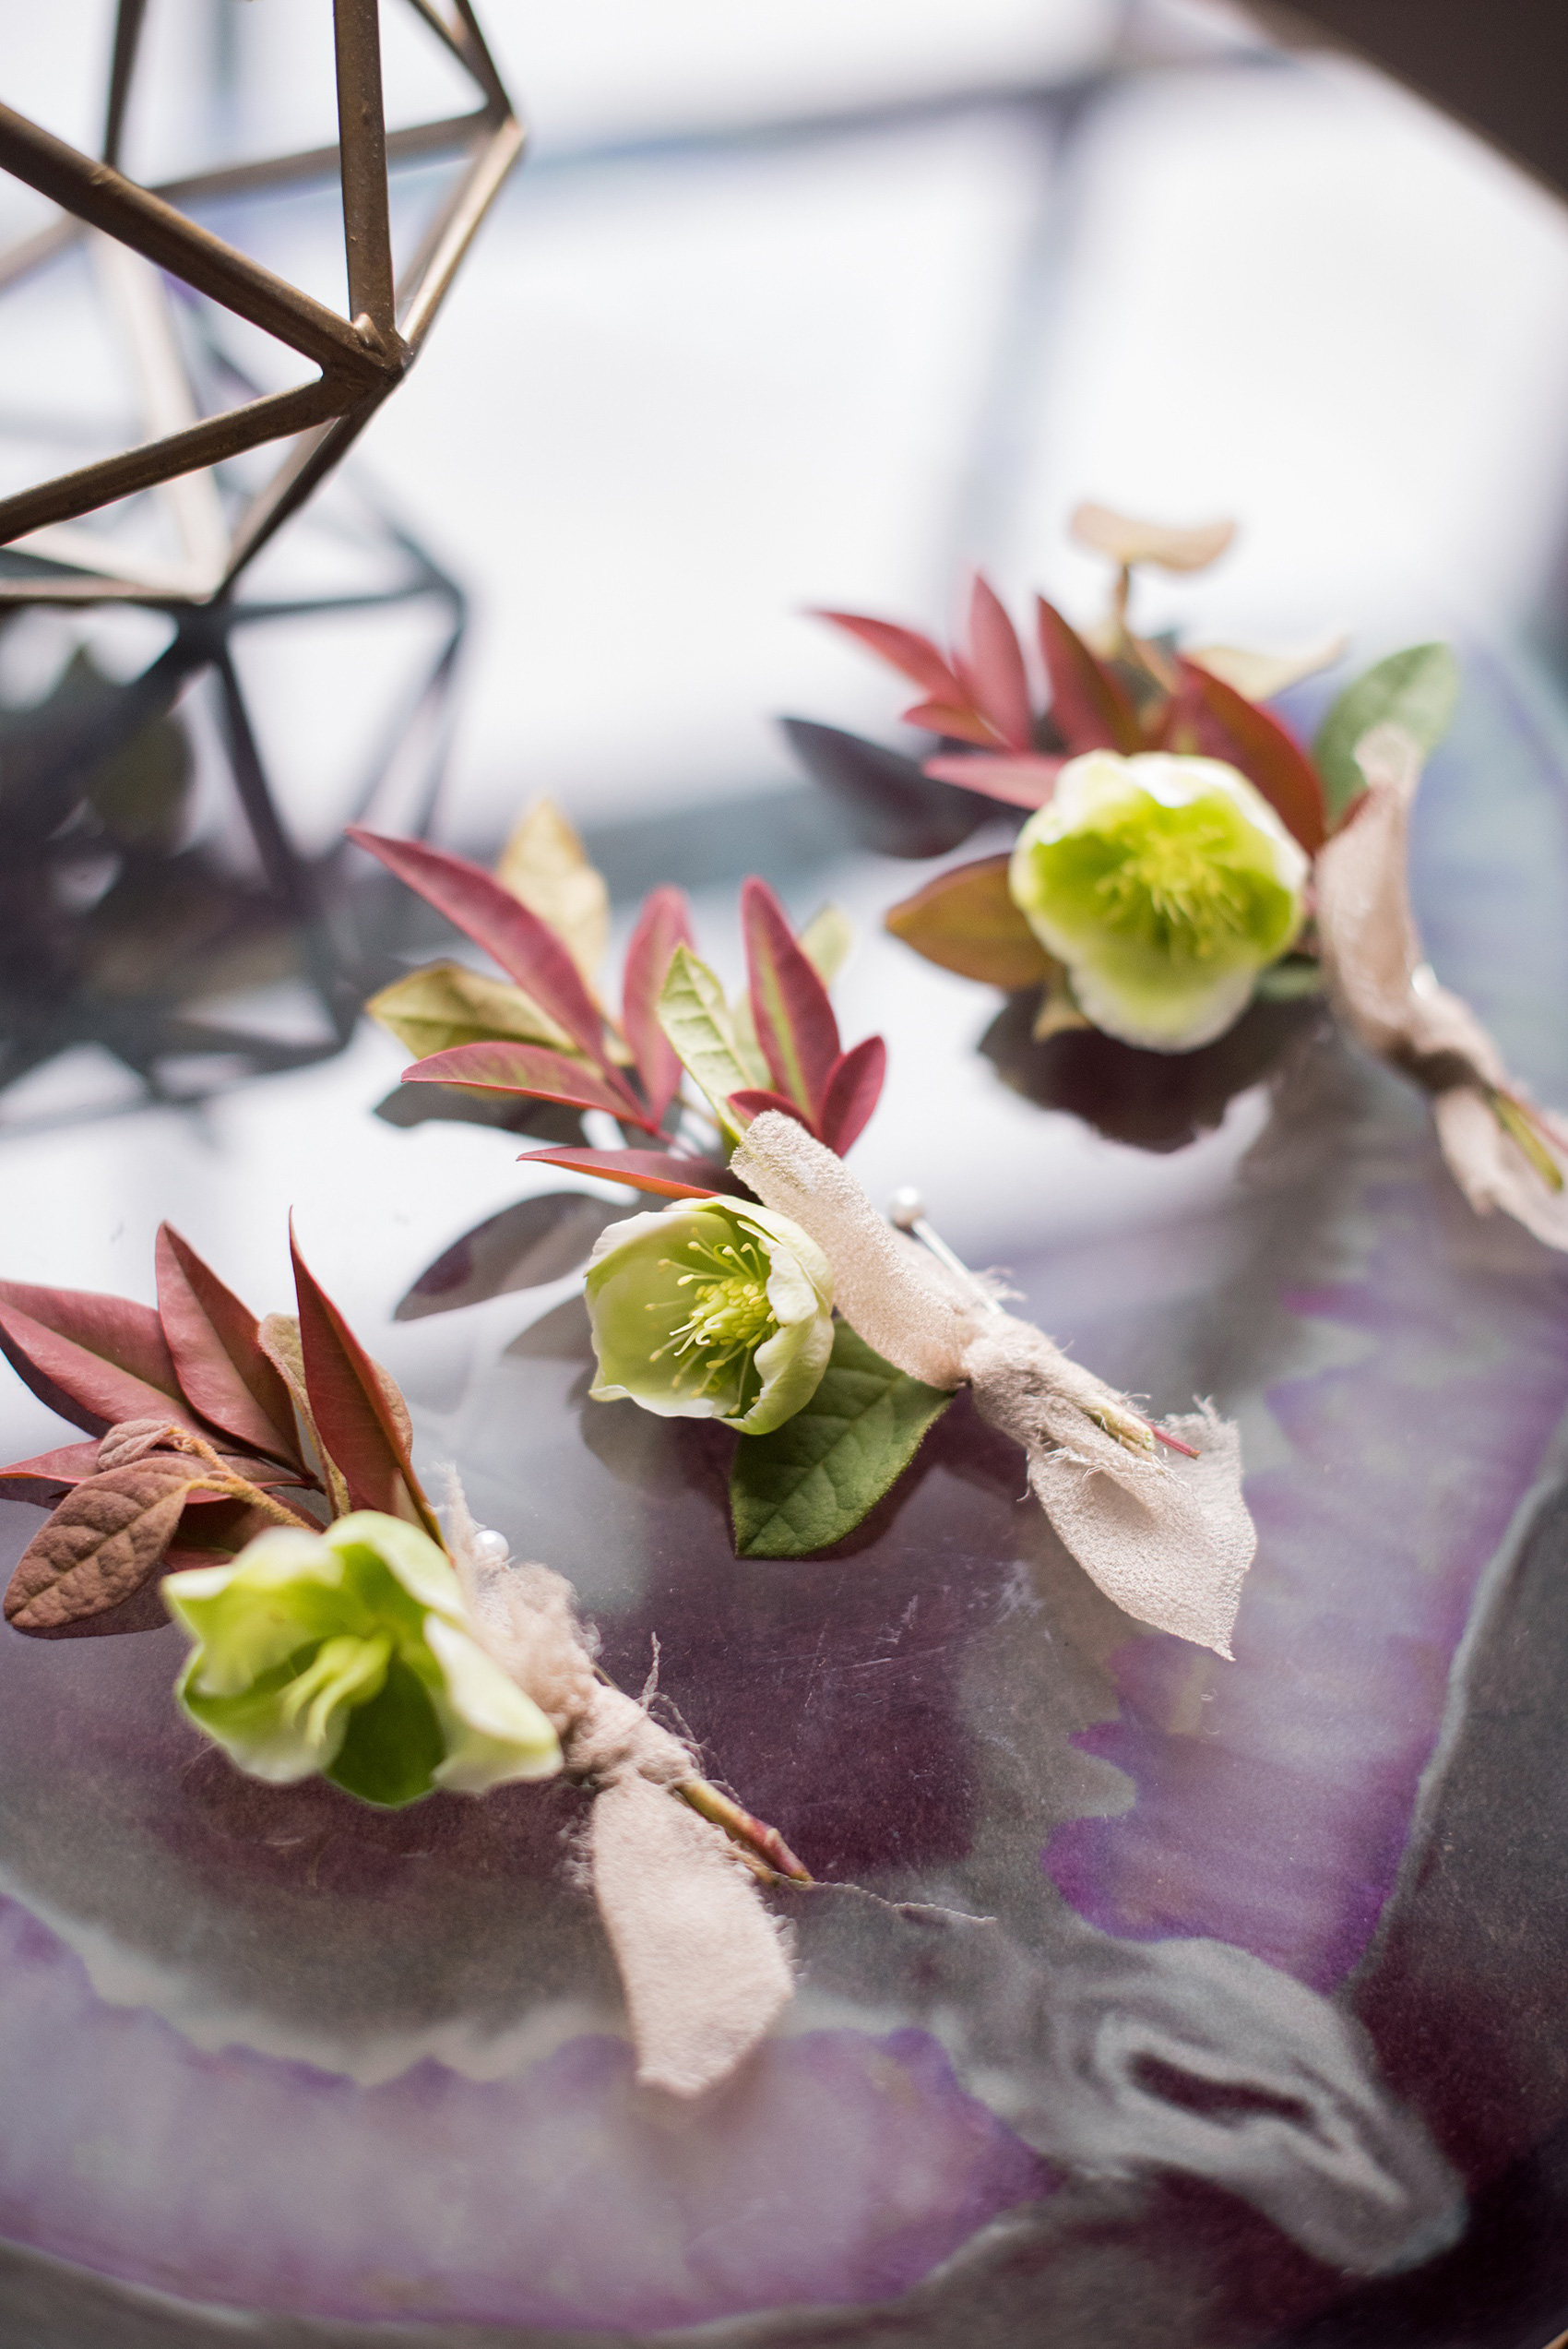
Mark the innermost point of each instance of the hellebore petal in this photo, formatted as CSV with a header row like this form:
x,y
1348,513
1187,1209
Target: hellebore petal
x,y
1165,884
352,1653
718,1311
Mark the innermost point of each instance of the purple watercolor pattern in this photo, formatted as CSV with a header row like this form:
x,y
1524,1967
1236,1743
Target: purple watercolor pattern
x,y
840,2168
1273,1796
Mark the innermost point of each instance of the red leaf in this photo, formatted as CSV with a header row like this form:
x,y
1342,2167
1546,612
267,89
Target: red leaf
x,y
500,1066
795,1025
94,1359
663,925
646,1170
1018,782
351,1410
1089,706
752,1100
1002,682
216,1354
960,720
853,1090
103,1543
1223,724
48,1474
913,655
527,948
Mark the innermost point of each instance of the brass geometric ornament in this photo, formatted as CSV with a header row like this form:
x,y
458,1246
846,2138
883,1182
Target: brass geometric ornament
x,y
141,236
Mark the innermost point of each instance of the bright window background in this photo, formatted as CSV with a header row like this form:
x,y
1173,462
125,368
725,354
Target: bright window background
x,y
825,303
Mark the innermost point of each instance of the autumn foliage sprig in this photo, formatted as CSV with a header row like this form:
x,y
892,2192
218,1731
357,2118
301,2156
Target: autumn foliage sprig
x,y
203,1427
546,1036
713,1309
1163,877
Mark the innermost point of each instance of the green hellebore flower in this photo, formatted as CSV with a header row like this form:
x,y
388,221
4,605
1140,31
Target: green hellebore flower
x,y
350,1652
711,1309
1165,884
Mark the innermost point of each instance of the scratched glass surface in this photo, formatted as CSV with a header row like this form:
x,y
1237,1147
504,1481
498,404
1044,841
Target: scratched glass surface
x,y
1145,1999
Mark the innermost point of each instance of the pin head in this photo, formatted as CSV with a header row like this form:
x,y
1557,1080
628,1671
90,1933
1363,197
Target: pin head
x,y
906,1209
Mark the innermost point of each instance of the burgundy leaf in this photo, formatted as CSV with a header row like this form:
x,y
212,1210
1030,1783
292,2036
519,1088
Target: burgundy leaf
x,y
500,1066
913,655
1016,781
48,1474
94,1359
1213,718
1002,684
527,948
663,925
103,1543
795,1025
752,1100
1089,706
646,1170
891,807
853,1090
958,719
216,1354
362,1430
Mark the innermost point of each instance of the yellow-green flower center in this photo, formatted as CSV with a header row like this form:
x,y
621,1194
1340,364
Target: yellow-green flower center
x,y
730,1315
1171,886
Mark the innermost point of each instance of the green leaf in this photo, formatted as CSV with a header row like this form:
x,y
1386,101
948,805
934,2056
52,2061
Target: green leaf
x,y
813,1480
694,1016
1416,689
447,1004
825,942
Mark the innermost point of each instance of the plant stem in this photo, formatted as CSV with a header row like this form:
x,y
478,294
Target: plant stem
x,y
763,1843
240,1488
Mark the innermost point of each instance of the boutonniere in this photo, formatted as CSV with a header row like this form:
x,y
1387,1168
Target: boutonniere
x,y
258,1477
1182,859
731,1303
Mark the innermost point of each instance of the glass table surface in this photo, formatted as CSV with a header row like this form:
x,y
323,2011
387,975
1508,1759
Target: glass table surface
x,y
1143,1998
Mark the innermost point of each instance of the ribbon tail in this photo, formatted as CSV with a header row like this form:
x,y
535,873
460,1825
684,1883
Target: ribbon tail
x,y
701,1962
1492,1170
1169,1544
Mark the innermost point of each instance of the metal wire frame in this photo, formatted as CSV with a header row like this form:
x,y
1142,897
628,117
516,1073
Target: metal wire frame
x,y
361,359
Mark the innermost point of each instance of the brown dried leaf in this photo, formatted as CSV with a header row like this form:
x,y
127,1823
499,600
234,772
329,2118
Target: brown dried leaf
x,y
103,1543
1127,540
132,1439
